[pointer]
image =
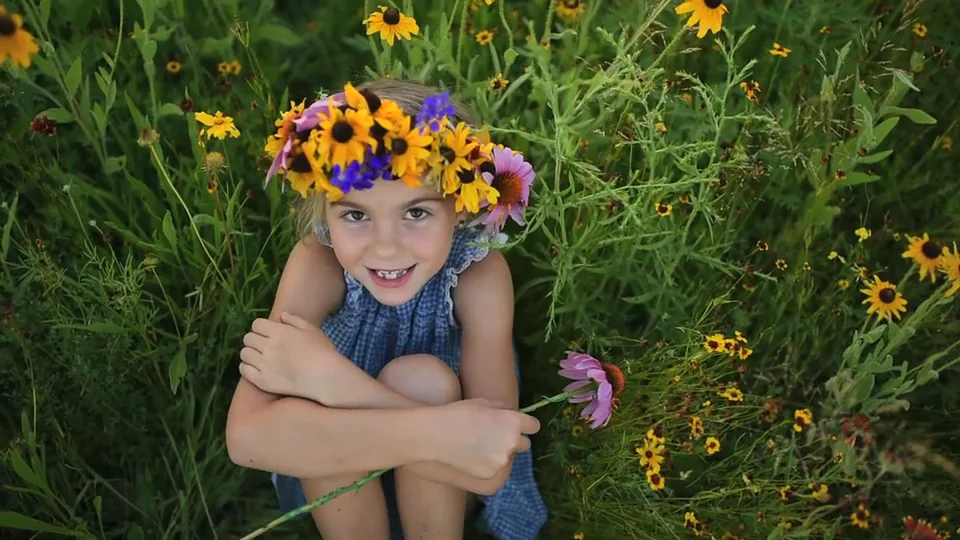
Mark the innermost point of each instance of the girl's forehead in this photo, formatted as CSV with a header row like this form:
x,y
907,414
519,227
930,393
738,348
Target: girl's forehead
x,y
390,194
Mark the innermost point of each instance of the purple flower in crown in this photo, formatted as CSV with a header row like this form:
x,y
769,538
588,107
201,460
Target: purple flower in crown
x,y
434,112
377,166
512,178
350,177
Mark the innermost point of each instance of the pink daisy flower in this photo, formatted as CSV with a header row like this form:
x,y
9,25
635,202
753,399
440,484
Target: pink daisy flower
x,y
512,180
586,370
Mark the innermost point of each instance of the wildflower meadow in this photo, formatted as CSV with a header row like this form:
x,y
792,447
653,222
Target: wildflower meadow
x,y
737,305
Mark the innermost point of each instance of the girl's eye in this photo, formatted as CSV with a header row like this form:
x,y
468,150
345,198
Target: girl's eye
x,y
354,215
417,213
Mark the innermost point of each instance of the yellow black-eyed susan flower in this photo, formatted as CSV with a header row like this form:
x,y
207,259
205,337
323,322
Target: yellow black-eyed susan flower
x,y
655,434
762,246
341,139
284,124
391,23
684,199
861,518
651,455
498,82
739,336
779,50
862,234
709,13
217,126
174,67
731,346
786,492
234,67
223,68
781,265
884,299
712,446
820,492
663,209
577,430
212,187
844,284
926,253
920,30
801,419
452,158
751,89
840,175
690,520
570,9
408,149
826,30
745,352
732,394
473,189
656,481
15,42
714,342
950,265
484,37
696,427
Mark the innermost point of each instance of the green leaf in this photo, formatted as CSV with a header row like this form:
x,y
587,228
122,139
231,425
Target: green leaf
x,y
149,8
927,374
170,109
13,520
178,368
873,158
148,50
915,115
279,34
857,177
864,386
72,80
861,98
25,473
509,56
168,230
45,12
115,163
873,335
8,227
881,130
903,77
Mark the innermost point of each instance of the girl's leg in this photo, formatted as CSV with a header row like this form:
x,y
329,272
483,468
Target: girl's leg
x,y
362,514
428,510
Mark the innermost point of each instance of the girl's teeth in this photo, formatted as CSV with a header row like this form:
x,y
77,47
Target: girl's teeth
x,y
393,274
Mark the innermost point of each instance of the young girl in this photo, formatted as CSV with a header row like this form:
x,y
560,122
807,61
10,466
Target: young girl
x,y
390,343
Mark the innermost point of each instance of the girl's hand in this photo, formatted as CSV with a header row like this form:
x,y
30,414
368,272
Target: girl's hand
x,y
290,357
479,436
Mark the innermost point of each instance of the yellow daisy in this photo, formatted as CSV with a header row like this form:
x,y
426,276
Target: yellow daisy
x,y
452,157
801,419
950,265
709,13
926,253
174,67
861,518
391,23
663,209
498,82
284,124
655,480
472,190
712,446
15,42
696,427
342,137
820,492
884,299
570,9
651,455
484,37
218,126
779,50
714,342
408,149
920,30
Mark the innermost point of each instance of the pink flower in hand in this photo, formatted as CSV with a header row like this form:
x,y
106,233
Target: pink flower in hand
x,y
586,370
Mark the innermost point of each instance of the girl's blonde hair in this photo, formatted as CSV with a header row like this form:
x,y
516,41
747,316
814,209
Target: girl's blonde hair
x,y
409,96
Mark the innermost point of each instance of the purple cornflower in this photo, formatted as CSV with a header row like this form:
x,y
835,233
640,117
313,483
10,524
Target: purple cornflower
x,y
586,370
434,111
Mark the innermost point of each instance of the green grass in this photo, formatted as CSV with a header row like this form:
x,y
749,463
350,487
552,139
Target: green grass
x,y
127,284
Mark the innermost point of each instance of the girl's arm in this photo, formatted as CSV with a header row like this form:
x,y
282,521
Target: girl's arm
x,y
483,304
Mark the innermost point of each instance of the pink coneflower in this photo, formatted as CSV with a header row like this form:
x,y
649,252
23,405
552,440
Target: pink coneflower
x,y
512,180
585,370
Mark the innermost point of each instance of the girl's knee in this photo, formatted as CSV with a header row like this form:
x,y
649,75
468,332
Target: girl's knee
x,y
422,377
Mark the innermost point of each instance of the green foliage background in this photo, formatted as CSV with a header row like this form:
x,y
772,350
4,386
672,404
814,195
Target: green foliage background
x,y
127,284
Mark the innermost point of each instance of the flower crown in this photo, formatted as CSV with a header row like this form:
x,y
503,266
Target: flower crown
x,y
349,140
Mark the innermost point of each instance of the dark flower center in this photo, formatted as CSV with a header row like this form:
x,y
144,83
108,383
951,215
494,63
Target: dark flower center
x,y
648,454
658,432
931,249
448,154
509,186
713,4
377,131
466,176
488,167
342,132
662,209
572,4
7,26
398,147
655,478
887,295
300,164
391,16
373,102
303,136
713,344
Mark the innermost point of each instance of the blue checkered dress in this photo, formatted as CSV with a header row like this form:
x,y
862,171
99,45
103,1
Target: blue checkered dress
x,y
371,334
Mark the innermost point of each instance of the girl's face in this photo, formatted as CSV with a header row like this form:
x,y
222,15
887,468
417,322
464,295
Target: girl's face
x,y
392,238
